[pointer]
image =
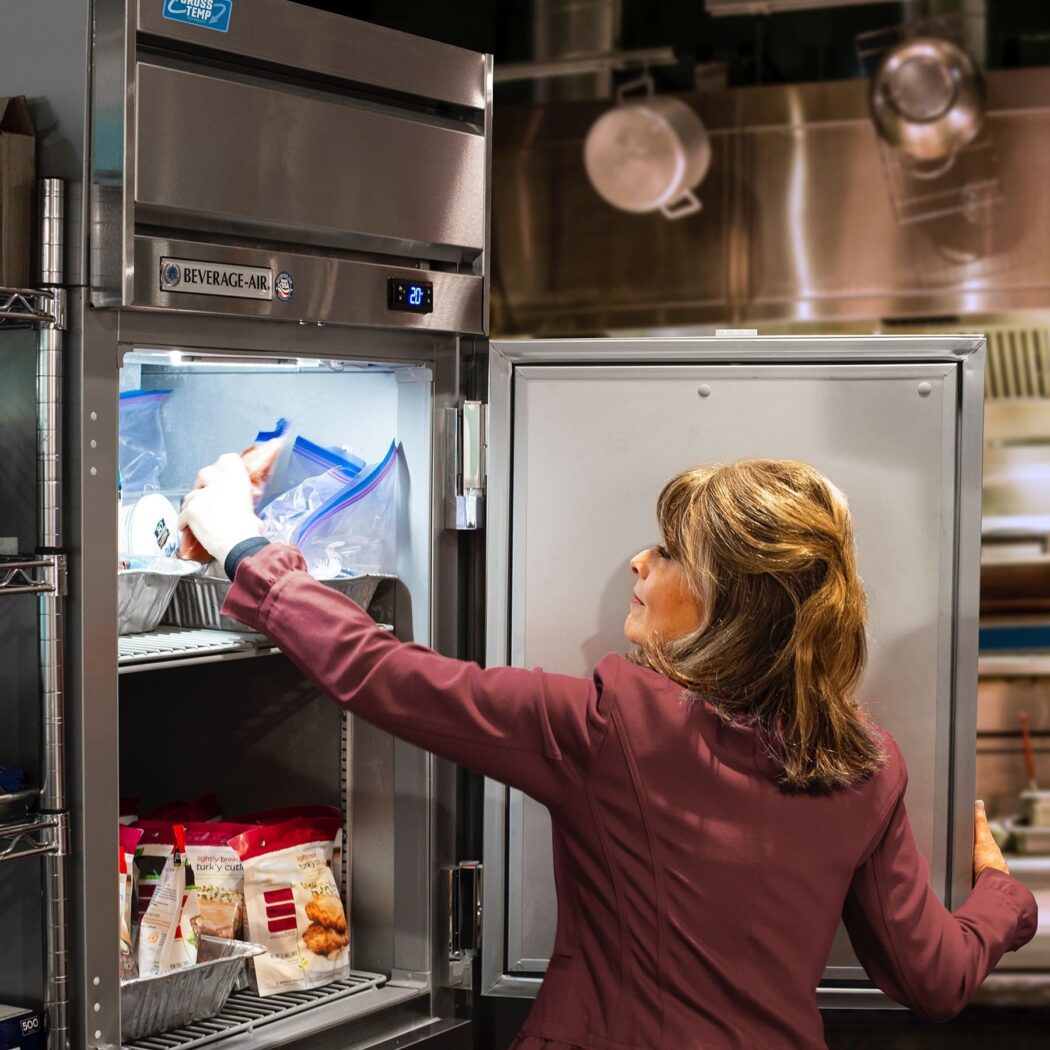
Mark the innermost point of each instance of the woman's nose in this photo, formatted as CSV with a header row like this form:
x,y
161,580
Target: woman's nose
x,y
640,563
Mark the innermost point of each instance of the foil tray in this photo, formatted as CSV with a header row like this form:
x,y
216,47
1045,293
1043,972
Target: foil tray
x,y
18,805
197,600
154,1004
142,599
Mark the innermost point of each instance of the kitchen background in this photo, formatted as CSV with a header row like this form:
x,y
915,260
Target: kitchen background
x,y
805,216
812,217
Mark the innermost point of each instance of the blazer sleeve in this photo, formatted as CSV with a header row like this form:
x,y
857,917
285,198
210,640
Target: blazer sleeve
x,y
919,953
528,729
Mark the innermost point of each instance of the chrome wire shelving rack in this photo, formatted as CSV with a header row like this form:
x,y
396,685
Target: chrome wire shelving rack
x,y
38,826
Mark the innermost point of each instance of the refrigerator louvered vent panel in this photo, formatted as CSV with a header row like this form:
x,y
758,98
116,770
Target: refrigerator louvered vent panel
x,y
245,1011
1018,363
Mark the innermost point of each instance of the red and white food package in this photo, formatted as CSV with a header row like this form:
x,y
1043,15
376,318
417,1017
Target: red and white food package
x,y
161,883
200,809
293,905
277,816
218,876
180,947
129,840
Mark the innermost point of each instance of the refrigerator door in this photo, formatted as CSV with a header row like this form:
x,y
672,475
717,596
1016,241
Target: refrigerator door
x,y
582,436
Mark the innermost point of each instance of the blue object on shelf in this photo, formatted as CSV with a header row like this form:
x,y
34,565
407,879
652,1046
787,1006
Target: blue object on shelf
x,y
11,779
1012,637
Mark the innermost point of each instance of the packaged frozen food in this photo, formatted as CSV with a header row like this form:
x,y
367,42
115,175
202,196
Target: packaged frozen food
x,y
259,459
219,877
277,816
205,808
160,919
142,453
151,857
180,948
293,904
129,839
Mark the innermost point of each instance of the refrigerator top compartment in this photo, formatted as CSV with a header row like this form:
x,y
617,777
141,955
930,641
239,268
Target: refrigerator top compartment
x,y
311,160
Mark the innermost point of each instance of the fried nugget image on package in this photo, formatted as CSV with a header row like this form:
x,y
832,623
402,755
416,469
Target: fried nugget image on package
x,y
327,911
322,941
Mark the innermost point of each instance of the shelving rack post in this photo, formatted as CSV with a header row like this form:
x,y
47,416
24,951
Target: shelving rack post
x,y
45,830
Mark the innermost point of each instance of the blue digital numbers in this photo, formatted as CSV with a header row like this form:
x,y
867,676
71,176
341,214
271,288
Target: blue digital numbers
x,y
414,296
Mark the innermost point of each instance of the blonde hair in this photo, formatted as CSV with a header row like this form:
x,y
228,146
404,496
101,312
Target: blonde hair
x,y
767,547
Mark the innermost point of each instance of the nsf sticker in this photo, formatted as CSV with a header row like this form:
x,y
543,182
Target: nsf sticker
x,y
283,286
208,14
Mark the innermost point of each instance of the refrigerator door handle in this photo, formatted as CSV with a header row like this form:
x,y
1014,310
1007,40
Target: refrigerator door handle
x,y
466,441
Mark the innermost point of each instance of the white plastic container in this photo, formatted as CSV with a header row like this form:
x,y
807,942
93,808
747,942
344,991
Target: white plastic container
x,y
1036,807
149,527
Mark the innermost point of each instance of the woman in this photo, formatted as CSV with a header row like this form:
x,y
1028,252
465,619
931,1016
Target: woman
x,y
718,799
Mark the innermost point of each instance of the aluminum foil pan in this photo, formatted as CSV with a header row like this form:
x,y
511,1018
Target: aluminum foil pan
x,y
198,599
18,804
142,598
154,1004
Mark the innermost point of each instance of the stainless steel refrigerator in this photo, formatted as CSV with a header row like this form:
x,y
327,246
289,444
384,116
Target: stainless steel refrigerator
x,y
286,215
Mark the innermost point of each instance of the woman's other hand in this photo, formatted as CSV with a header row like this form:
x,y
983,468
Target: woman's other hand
x,y
986,854
219,510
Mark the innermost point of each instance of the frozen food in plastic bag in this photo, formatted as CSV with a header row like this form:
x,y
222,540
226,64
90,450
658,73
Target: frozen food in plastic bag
x,y
180,948
142,453
308,459
162,882
354,530
218,877
259,458
129,840
277,816
293,904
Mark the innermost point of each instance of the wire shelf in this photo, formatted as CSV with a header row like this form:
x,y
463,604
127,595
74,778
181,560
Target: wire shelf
x,y
182,646
27,306
26,575
245,1011
27,838
187,645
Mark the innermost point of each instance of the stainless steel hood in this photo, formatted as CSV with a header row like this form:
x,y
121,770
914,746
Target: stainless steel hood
x,y
809,221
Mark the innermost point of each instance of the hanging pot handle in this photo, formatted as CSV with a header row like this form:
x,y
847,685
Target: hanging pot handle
x,y
687,204
932,169
642,85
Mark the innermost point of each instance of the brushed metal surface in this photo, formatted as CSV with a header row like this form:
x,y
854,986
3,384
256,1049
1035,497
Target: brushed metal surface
x,y
919,632
327,290
278,159
332,45
800,220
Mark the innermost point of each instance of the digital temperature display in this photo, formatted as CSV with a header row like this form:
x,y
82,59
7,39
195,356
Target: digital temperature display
x,y
415,296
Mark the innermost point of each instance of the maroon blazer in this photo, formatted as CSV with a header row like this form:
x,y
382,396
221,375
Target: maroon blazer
x,y
697,902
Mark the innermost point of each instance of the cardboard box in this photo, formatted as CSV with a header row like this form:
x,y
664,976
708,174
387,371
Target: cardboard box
x,y
21,1029
17,186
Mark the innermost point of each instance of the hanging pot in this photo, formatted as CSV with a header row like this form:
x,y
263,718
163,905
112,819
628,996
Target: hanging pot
x,y
649,154
928,98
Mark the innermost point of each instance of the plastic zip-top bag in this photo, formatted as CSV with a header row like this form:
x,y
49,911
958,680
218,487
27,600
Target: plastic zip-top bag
x,y
142,453
259,458
355,530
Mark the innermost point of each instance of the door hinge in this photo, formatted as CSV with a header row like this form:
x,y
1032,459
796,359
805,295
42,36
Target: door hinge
x,y
463,886
466,439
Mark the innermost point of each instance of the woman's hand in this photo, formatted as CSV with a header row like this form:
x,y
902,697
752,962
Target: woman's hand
x,y
219,510
986,854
